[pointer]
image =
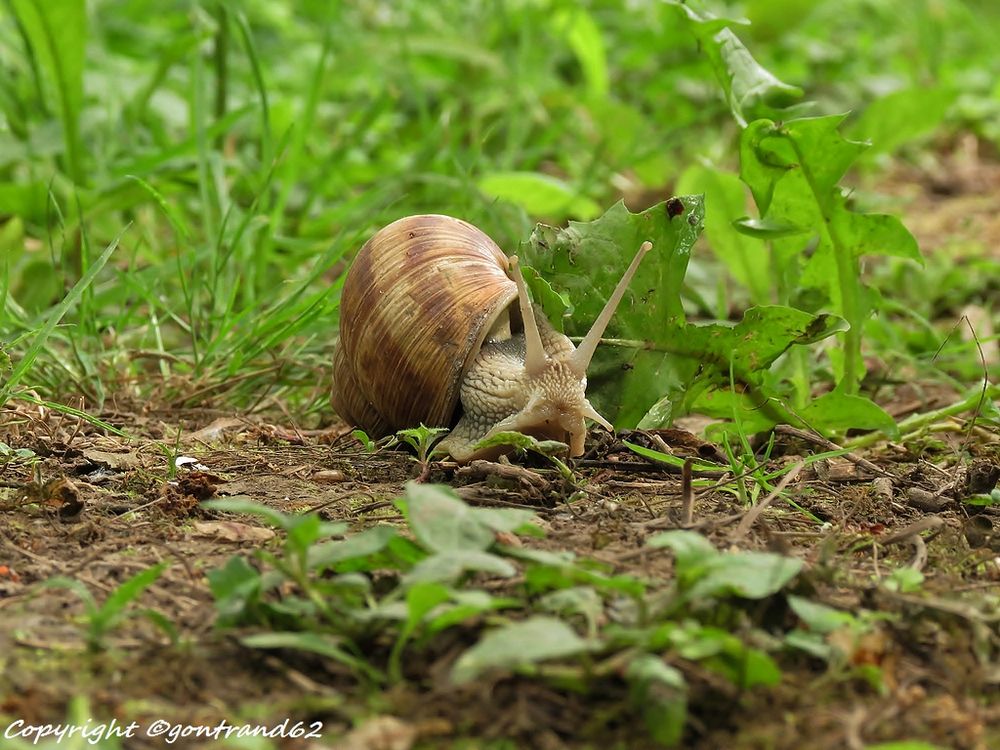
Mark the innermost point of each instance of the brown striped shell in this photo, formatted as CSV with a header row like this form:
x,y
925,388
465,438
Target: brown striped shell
x,y
420,298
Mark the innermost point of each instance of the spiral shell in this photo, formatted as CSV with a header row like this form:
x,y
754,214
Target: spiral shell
x,y
420,298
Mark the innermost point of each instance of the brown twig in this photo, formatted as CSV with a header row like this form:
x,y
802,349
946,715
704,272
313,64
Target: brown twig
x,y
687,495
912,533
821,441
915,528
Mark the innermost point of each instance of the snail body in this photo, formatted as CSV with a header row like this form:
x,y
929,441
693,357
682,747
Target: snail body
x,y
428,334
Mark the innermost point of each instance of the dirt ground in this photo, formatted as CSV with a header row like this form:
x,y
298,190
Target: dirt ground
x,y
100,508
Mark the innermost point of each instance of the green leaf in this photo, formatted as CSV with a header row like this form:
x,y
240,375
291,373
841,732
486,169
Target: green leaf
x,y
57,32
751,90
102,618
768,229
746,350
763,335
465,606
749,575
305,530
604,248
542,557
745,412
875,234
421,438
660,692
236,587
26,200
443,523
835,411
449,565
576,600
420,600
725,653
904,580
519,645
113,609
811,643
563,574
332,647
725,200
245,505
363,544
689,547
820,617
754,667
521,442
983,500
824,154
551,449
764,159
538,194
362,437
902,116
503,519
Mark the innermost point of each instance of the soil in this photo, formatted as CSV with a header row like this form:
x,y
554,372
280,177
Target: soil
x,y
98,508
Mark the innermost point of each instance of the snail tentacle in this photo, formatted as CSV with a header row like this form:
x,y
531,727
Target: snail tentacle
x,y
585,351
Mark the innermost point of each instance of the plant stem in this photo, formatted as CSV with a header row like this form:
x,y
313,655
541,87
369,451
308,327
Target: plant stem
x,y
920,421
847,278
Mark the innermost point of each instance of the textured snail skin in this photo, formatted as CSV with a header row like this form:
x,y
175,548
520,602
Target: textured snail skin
x,y
498,394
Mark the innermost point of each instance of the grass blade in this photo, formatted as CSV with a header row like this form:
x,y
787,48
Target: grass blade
x,y
57,314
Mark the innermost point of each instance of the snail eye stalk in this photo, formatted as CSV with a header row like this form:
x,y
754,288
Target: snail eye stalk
x,y
580,360
534,354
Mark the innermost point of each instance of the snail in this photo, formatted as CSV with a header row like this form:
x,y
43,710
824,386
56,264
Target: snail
x,y
427,320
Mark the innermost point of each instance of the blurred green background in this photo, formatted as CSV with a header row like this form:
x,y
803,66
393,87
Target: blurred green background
x,y
213,165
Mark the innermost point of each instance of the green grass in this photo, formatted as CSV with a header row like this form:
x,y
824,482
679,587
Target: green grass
x,y
233,156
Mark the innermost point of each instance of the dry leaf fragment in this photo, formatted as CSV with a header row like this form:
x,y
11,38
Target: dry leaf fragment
x,y
198,484
380,733
508,539
113,460
329,476
213,432
232,531
60,494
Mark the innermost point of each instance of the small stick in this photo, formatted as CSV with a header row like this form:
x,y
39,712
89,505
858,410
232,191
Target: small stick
x,y
687,494
919,553
915,528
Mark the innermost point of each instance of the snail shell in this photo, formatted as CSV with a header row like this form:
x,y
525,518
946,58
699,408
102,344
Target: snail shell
x,y
417,304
